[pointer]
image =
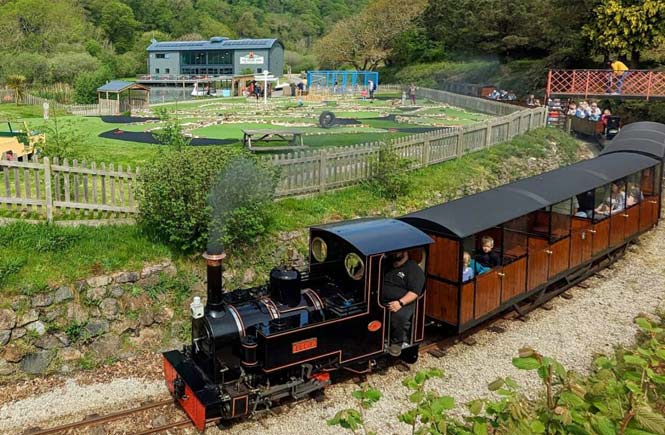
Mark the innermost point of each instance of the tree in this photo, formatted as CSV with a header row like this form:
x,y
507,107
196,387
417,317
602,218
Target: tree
x,y
16,83
508,28
366,40
86,84
27,25
64,67
117,20
627,27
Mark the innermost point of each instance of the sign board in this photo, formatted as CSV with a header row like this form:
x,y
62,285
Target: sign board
x,y
45,108
251,59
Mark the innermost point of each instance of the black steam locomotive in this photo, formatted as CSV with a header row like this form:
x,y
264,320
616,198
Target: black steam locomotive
x,y
252,348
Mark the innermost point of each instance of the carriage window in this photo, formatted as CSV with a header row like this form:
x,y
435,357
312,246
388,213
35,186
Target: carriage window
x,y
484,252
585,204
658,178
610,199
539,223
601,198
319,249
354,266
560,218
633,190
648,182
515,239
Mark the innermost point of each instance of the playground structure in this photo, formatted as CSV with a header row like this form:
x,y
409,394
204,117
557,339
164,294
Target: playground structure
x,y
19,144
338,82
638,84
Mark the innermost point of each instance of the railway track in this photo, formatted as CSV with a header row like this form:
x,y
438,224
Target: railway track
x,y
119,415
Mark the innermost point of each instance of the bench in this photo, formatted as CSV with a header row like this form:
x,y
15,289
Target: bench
x,y
293,137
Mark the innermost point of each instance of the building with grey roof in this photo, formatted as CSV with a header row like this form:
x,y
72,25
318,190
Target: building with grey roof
x,y
217,57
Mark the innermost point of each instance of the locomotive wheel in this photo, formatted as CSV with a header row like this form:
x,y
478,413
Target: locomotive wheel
x,y
327,119
318,395
410,355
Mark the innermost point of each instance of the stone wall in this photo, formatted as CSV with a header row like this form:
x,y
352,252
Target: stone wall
x,y
96,320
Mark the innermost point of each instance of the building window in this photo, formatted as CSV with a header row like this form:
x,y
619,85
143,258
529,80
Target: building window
x,y
219,57
168,70
160,55
193,57
259,70
156,70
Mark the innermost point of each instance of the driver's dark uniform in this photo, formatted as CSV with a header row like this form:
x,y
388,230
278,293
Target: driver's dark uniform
x,y
396,283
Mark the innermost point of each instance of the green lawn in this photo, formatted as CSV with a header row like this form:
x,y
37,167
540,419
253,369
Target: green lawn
x,y
95,148
34,257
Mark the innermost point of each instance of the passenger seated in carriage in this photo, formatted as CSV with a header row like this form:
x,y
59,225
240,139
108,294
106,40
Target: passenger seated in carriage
x,y
488,258
471,268
614,203
633,194
595,112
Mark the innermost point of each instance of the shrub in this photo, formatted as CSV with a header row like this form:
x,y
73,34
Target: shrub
x,y
65,67
391,178
240,201
62,137
174,192
171,135
86,84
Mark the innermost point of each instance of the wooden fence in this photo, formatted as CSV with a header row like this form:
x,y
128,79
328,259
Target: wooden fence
x,y
102,108
54,188
307,172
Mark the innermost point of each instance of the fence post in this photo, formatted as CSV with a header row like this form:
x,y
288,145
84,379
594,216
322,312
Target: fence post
x,y
322,171
47,190
426,148
488,134
460,143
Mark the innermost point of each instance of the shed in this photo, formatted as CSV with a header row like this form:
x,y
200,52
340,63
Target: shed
x,y
121,96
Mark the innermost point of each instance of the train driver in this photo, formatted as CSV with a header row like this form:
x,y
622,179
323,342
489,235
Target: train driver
x,y
402,285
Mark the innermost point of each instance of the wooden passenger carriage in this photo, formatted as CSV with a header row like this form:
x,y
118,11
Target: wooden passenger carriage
x,y
545,244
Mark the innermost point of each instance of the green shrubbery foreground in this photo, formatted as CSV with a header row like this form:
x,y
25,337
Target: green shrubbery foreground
x,y
624,394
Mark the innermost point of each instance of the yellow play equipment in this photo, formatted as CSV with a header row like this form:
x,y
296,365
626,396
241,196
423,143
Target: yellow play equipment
x,y
16,144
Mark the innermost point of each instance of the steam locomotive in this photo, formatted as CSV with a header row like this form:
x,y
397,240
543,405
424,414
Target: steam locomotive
x,y
252,348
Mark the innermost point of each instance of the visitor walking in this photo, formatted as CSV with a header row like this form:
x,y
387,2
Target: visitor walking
x,y
620,71
371,87
412,93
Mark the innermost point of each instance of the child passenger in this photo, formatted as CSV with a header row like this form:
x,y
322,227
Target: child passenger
x,y
471,268
488,258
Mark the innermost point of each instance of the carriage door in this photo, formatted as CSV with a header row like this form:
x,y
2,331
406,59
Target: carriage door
x,y
538,258
650,205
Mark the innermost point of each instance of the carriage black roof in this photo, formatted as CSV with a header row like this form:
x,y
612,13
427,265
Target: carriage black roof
x,y
472,214
645,137
377,235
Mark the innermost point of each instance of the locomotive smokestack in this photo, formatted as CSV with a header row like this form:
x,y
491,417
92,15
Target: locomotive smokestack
x,y
214,257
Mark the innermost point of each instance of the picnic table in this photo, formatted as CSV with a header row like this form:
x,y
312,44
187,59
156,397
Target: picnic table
x,y
293,137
